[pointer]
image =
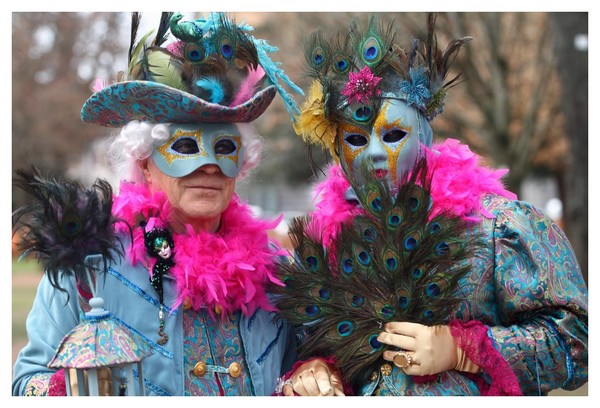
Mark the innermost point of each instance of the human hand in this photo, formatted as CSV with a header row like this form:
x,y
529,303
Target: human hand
x,y
425,350
314,378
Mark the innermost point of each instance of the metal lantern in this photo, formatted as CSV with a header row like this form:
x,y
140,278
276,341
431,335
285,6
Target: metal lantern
x,y
101,353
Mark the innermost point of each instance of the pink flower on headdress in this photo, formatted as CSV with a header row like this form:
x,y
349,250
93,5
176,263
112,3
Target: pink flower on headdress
x,y
361,86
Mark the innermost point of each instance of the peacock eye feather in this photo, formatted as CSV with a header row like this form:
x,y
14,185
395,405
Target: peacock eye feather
x,y
374,343
340,64
391,264
362,114
413,203
403,296
435,227
371,51
374,201
428,314
345,328
369,234
347,265
394,217
289,282
226,46
364,258
194,53
312,310
386,312
442,248
410,243
321,293
417,273
357,301
432,290
312,262
318,57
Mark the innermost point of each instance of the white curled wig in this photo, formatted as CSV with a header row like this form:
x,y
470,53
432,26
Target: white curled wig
x,y
136,141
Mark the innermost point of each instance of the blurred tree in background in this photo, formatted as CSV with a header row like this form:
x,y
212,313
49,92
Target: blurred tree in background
x,y
56,57
520,106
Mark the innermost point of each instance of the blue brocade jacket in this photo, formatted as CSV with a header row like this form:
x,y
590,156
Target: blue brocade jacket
x,y
238,355
527,288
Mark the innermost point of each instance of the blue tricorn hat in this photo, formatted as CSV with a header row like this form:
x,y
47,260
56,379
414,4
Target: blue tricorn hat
x,y
213,72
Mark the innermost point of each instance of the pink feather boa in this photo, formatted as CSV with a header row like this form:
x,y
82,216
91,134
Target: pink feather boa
x,y
229,268
459,183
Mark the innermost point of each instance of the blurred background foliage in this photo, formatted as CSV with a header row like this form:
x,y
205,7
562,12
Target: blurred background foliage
x,y
523,104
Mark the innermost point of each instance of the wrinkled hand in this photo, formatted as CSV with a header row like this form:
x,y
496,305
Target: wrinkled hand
x,y
431,348
314,378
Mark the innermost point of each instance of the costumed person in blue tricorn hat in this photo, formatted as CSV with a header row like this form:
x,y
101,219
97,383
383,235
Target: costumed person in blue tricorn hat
x,y
195,265
419,273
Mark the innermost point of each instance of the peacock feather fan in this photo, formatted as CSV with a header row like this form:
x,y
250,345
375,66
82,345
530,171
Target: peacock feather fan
x,y
397,262
65,223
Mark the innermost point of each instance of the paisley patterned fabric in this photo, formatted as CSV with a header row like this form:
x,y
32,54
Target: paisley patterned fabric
x,y
100,342
123,102
526,286
218,345
38,385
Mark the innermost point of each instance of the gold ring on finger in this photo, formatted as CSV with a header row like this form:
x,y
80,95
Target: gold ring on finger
x,y
402,359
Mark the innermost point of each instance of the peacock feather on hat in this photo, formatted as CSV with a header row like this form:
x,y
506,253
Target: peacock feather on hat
x,y
208,70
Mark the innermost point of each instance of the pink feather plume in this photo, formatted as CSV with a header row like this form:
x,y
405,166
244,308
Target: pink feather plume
x,y
248,86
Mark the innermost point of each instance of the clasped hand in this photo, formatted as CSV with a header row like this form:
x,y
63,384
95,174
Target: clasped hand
x,y
314,378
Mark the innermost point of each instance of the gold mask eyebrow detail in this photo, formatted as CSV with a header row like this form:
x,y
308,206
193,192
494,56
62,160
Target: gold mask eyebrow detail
x,y
351,153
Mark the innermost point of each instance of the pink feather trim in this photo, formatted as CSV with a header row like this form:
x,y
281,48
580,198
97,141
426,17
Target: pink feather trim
x,y
229,268
459,183
473,338
57,387
248,86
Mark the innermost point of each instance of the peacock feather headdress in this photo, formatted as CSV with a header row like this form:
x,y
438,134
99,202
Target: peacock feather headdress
x,y
353,71
206,70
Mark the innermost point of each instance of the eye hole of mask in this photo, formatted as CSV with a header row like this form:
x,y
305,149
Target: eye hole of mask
x,y
356,139
394,136
225,146
185,145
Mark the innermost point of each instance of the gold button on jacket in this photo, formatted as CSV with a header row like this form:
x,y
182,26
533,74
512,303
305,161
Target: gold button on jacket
x,y
235,370
200,369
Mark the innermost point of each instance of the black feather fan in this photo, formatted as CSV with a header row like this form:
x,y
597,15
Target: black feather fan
x,y
398,262
65,223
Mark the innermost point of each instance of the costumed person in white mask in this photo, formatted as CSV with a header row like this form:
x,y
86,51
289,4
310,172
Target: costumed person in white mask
x,y
419,273
188,263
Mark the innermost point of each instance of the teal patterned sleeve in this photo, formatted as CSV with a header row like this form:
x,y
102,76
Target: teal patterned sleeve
x,y
542,301
52,316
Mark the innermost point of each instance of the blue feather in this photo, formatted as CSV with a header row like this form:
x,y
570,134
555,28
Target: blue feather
x,y
274,73
214,86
